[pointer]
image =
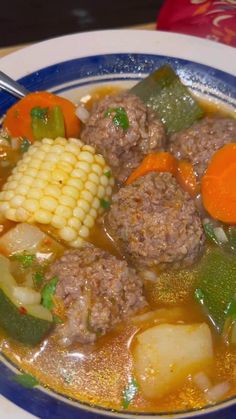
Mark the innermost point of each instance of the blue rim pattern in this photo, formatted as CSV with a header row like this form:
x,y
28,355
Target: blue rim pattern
x,y
81,72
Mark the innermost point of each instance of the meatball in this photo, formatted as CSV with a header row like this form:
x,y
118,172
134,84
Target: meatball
x,y
97,290
123,148
199,142
156,223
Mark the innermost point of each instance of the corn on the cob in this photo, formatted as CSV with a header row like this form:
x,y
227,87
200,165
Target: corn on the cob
x,y
61,183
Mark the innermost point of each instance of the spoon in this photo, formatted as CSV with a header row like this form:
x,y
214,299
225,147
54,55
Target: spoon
x,y
11,86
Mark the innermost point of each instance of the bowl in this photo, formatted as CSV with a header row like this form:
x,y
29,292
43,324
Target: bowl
x,y
70,66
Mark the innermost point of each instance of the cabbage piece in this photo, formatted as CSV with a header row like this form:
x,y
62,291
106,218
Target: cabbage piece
x,y
165,355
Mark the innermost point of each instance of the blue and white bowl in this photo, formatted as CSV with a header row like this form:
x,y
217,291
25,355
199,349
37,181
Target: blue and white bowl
x,y
70,66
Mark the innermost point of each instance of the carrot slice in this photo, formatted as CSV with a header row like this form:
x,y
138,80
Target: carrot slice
x,y
219,185
18,118
154,162
186,177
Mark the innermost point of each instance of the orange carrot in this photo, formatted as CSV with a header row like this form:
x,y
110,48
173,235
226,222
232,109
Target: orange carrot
x,y
18,117
186,177
155,162
219,185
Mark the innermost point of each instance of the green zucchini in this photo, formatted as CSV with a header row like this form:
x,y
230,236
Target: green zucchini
x,y
216,288
164,92
27,323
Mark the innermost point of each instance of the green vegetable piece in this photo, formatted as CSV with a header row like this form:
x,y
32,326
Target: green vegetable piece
x,y
57,319
129,393
231,234
209,232
47,122
38,278
25,259
119,117
27,324
217,286
164,92
26,380
48,292
105,204
24,145
108,174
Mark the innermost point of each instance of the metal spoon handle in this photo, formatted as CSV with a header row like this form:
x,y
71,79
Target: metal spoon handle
x,y
11,86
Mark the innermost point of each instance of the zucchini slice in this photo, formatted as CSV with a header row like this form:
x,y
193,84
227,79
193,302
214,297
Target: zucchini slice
x,y
27,323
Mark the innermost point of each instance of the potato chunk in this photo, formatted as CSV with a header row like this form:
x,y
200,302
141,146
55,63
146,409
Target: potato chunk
x,y
165,355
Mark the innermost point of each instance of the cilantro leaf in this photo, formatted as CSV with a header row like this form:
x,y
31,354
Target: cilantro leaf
x,y
48,292
26,380
105,204
38,278
129,393
25,259
108,174
25,144
119,117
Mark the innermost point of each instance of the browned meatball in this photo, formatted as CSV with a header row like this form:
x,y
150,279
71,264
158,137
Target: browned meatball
x,y
98,291
199,142
124,149
156,223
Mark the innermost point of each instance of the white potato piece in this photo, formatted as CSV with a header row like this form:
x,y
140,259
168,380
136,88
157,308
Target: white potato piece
x,y
21,238
29,238
166,354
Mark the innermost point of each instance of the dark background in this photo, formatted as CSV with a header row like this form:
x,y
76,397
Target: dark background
x,y
23,21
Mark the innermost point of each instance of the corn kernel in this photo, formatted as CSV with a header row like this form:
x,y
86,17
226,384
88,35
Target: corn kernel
x,y
69,158
97,169
44,174
104,180
59,176
79,242
84,232
88,148
57,148
32,172
27,180
101,191
84,166
46,148
109,190
100,160
53,190
84,205
70,191
47,141
73,148
22,189
41,155
66,167
52,157
86,156
31,205
42,216
4,207
58,221
17,201
76,141
93,213
35,163
91,187
63,211
87,196
11,185
96,203
94,178
67,201
8,195
39,183
11,214
76,183
68,234
79,174
22,214
35,193
89,221
79,213
62,141
75,223
47,165
48,203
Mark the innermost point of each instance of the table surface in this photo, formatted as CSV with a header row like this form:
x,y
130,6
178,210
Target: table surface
x,y
8,50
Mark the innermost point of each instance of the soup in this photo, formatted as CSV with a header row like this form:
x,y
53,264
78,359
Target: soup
x,y
129,312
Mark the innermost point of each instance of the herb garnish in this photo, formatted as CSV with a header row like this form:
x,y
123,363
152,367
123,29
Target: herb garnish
x,y
38,278
48,292
108,174
25,144
105,204
119,117
25,259
26,380
129,393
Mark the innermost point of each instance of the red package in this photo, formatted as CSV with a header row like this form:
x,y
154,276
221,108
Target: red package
x,y
212,19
